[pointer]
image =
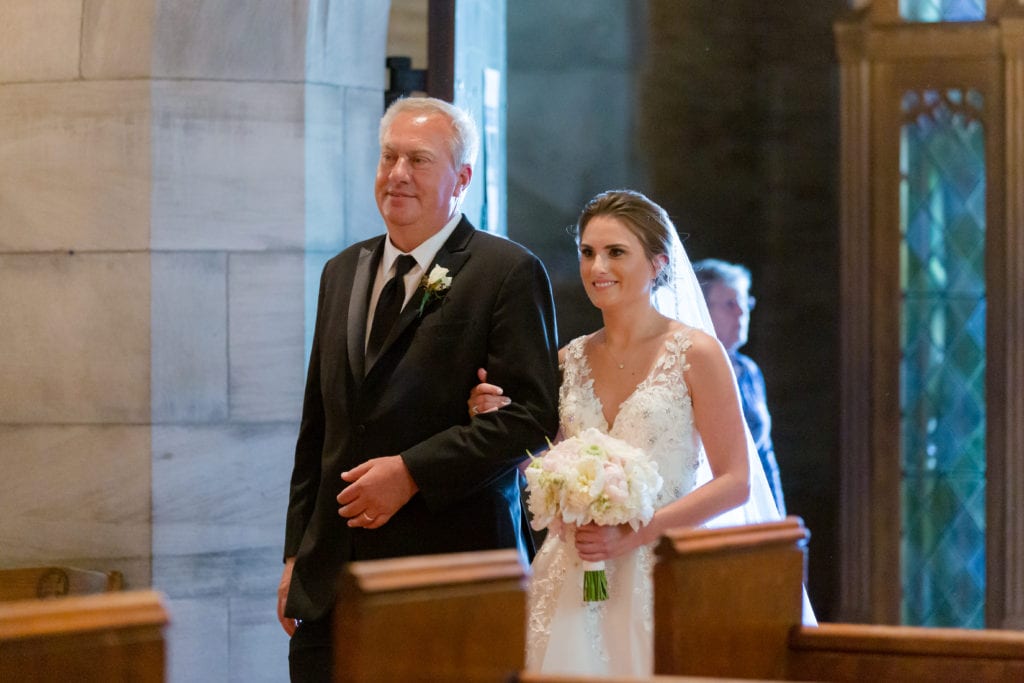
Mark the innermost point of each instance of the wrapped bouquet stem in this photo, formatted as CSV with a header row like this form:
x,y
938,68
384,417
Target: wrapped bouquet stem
x,y
595,582
592,478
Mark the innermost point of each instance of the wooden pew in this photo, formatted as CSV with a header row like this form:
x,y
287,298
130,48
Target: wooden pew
x,y
528,677
106,638
726,599
728,603
861,652
54,582
458,617
454,617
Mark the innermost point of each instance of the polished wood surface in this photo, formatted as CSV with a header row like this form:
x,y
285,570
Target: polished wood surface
x,y
726,599
728,606
728,603
453,617
547,678
110,637
857,652
52,582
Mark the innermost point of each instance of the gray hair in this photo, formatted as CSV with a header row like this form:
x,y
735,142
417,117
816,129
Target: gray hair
x,y
464,141
711,271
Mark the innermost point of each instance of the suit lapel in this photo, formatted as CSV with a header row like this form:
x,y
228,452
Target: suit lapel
x,y
452,255
358,308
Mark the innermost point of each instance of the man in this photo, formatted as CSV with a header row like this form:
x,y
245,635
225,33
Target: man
x,y
387,461
726,288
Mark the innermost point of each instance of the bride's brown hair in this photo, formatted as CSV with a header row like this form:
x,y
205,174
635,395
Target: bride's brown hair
x,y
644,218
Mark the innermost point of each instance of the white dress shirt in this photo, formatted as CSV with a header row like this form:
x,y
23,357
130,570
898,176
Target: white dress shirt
x,y
424,255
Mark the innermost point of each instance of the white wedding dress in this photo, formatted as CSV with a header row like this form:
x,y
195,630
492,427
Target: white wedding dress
x,y
615,636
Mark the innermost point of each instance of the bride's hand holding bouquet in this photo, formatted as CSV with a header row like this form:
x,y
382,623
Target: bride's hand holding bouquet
x,y
593,479
595,542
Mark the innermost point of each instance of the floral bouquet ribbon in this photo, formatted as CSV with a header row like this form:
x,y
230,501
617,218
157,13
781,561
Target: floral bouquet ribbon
x,y
592,477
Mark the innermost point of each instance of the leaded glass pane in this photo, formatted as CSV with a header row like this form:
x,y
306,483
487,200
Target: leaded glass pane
x,y
942,10
942,368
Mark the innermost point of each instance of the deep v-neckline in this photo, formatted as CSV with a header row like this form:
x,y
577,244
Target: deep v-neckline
x,y
609,425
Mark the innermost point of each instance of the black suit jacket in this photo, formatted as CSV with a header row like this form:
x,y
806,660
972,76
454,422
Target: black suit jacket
x,y
497,314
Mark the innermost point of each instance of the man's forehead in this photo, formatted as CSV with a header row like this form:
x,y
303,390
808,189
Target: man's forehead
x,y
408,145
728,289
423,136
420,121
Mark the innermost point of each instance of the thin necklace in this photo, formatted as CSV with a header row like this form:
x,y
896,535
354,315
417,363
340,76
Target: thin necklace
x,y
604,345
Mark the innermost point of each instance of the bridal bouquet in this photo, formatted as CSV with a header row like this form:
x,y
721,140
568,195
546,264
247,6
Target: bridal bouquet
x,y
592,477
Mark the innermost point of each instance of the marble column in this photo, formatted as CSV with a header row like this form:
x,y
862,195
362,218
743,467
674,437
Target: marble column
x,y
172,175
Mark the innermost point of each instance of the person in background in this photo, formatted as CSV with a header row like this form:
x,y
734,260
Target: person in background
x,y
726,288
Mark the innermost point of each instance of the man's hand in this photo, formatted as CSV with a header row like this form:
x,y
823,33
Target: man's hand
x,y
287,623
484,397
377,490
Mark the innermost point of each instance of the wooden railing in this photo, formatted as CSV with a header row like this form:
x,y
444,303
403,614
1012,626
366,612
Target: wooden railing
x,y
110,637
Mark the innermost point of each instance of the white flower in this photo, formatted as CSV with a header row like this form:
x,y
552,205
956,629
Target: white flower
x,y
438,280
595,478
592,477
434,284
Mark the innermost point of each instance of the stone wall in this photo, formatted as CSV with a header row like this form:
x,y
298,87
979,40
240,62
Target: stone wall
x,y
172,176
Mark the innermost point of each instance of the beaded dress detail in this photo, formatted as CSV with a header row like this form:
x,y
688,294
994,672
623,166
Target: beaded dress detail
x,y
616,635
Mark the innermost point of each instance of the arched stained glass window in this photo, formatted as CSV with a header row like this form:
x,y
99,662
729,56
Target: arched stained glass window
x,y
942,365
942,10
932,319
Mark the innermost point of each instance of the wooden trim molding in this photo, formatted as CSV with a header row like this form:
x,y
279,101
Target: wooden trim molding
x,y
37,618
880,59
854,323
403,573
888,11
788,532
884,311
931,42
1006,480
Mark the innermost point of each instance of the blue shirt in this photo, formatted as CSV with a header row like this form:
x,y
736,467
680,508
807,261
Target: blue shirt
x,y
759,420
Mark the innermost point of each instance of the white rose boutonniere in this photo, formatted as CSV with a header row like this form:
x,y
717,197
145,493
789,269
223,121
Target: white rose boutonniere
x,y
435,285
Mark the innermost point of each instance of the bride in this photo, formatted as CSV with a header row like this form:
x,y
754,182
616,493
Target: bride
x,y
656,377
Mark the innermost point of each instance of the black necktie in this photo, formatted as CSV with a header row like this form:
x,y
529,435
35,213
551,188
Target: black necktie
x,y
389,305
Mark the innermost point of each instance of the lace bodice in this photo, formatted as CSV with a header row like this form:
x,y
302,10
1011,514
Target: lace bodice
x,y
657,417
569,636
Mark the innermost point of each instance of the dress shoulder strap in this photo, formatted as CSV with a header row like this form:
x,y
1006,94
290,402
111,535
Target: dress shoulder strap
x,y
574,364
